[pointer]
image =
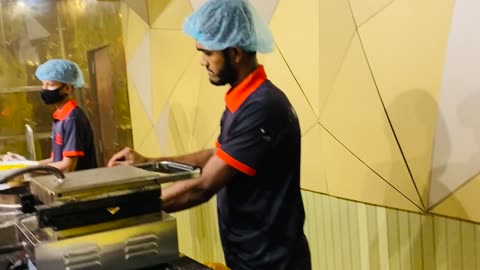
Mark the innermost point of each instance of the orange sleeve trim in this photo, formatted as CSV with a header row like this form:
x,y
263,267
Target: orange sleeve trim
x,y
73,154
235,163
218,145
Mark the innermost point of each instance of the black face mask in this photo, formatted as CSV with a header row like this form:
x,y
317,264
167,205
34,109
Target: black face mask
x,y
52,96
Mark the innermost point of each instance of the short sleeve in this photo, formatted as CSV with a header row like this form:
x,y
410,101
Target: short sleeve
x,y
249,139
73,139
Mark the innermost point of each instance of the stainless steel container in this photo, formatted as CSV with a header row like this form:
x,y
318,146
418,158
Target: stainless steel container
x,y
105,218
139,242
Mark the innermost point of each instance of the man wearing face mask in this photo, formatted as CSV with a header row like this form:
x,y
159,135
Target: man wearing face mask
x,y
72,137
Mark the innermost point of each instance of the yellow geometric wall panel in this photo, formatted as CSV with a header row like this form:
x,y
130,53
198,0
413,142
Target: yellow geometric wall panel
x,y
168,15
463,203
135,30
141,123
183,103
336,31
360,182
168,66
162,133
140,7
456,157
290,17
279,73
363,10
383,113
405,45
150,146
178,128
354,115
313,169
208,112
141,77
364,77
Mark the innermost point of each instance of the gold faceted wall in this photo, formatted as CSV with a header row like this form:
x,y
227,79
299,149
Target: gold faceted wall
x,y
372,83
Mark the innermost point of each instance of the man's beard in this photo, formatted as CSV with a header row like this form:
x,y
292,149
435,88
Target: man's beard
x,y
227,74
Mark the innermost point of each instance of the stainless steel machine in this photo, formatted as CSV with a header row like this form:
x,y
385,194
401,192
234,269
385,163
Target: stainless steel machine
x,y
105,218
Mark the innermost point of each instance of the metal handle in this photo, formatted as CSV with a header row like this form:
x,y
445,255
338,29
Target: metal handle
x,y
30,139
41,168
167,167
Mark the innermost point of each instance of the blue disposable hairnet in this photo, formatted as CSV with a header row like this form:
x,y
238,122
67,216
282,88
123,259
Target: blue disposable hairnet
x,y
60,70
219,24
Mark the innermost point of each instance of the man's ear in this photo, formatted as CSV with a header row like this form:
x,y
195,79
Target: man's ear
x,y
69,89
236,54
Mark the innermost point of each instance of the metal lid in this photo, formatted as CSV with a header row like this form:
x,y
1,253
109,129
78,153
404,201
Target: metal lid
x,y
95,181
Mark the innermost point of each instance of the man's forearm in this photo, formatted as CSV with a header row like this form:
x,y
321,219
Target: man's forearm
x,y
199,158
183,195
45,161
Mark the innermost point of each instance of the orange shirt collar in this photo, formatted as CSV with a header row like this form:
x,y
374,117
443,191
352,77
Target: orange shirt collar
x,y
61,114
237,95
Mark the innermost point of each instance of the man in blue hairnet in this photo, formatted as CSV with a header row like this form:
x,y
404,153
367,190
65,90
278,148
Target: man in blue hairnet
x,y
72,137
255,168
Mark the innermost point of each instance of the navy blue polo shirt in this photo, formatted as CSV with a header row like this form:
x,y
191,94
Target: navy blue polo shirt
x,y
260,212
72,136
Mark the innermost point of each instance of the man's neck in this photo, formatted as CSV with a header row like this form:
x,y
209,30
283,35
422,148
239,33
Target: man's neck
x,y
62,103
244,72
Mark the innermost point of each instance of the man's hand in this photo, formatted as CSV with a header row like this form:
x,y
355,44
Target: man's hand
x,y
12,156
127,156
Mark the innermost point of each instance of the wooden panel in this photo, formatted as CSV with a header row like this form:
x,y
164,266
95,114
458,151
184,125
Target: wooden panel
x,y
345,235
373,237
415,240
354,235
393,239
428,242
454,244
195,233
327,222
468,245
306,228
363,237
440,243
404,235
337,245
477,245
311,228
319,260
382,226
